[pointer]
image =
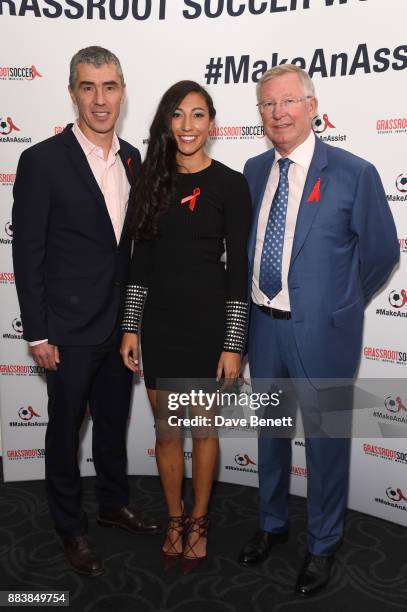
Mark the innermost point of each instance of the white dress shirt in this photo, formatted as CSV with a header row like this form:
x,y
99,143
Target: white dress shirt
x,y
297,174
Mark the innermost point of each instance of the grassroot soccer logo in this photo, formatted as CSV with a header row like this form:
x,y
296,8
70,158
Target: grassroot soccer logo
x,y
323,126
391,126
387,454
299,470
236,132
7,278
7,179
21,369
403,245
19,73
17,454
385,355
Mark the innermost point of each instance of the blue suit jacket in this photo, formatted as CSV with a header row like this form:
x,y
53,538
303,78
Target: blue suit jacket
x,y
345,247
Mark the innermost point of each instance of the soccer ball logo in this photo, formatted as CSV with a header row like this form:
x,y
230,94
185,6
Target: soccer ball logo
x,y
3,126
17,325
392,494
401,183
26,414
240,459
9,229
243,460
320,124
397,299
395,494
391,404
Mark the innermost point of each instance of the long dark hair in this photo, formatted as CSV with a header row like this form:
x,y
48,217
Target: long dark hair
x,y
154,188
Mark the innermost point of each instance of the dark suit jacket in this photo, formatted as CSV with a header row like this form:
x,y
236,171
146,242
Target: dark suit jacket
x,y
70,272
345,247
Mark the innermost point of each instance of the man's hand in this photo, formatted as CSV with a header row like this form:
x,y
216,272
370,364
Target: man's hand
x,y
46,355
129,350
229,364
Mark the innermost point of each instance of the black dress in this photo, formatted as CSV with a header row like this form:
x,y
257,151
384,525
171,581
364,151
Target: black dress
x,y
192,307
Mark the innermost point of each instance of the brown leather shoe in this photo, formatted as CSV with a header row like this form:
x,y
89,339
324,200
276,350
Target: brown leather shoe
x,y
130,519
81,555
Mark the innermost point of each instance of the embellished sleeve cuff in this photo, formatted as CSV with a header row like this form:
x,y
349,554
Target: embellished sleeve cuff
x,y
236,316
133,308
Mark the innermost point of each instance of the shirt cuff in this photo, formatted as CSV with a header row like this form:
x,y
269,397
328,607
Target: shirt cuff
x,y
35,342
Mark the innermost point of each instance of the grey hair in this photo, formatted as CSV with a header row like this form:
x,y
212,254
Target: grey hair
x,y
97,56
285,69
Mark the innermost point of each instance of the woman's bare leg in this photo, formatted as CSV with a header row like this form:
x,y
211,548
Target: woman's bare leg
x,y
170,462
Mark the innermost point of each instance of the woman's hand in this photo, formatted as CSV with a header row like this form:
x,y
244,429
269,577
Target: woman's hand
x,y
129,350
229,364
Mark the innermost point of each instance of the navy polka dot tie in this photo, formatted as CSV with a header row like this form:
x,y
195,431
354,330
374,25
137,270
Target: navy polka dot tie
x,y
272,253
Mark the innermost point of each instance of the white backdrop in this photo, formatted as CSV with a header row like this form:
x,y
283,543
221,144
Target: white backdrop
x,y
355,50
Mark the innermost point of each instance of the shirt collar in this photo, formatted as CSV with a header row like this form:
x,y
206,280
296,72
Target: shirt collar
x,y
302,155
88,146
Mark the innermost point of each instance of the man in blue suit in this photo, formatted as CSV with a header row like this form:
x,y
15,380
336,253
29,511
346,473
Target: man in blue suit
x,y
323,242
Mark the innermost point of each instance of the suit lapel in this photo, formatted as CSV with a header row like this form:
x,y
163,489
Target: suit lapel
x,y
81,164
78,159
308,210
129,164
260,180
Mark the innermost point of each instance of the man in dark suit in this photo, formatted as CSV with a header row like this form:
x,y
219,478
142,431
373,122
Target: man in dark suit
x,y
71,258
323,241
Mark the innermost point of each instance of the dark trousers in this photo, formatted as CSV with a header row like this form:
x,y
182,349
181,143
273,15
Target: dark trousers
x,y
273,354
94,375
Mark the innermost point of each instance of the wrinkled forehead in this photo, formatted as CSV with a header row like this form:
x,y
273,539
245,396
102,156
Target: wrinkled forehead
x,y
92,73
288,84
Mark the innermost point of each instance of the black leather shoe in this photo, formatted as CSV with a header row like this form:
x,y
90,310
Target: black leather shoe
x,y
130,519
81,555
258,548
315,574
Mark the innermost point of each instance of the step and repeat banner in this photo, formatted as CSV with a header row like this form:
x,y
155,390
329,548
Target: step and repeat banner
x,y
356,53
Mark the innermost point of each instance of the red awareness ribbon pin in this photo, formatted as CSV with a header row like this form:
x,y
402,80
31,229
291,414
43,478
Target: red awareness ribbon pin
x,y
315,194
192,198
130,167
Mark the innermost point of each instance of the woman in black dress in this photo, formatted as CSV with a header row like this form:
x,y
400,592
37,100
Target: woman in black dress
x,y
190,310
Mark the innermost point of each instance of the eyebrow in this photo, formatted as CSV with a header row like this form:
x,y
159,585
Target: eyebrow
x,y
93,83
194,109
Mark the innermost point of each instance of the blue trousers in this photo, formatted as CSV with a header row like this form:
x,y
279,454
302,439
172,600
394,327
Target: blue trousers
x,y
273,355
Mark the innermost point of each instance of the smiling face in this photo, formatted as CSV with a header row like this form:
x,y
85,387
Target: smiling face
x,y
190,125
98,93
287,128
